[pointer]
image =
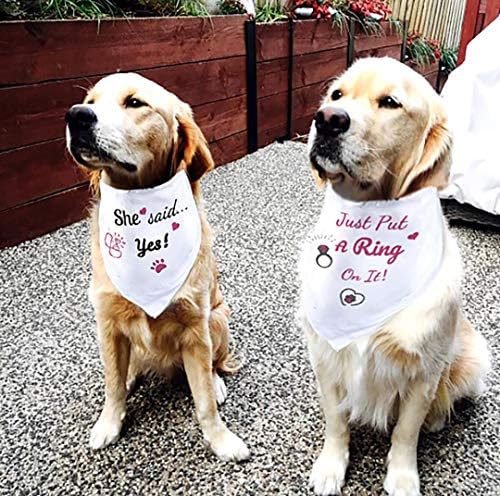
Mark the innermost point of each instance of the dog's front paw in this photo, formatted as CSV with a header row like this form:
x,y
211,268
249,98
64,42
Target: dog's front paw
x,y
328,472
229,447
402,482
105,431
220,389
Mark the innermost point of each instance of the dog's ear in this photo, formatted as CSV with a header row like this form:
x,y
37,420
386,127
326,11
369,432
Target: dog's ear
x,y
433,166
95,179
193,153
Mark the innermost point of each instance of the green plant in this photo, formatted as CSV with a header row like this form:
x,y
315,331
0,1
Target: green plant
x,y
175,7
229,7
86,9
421,50
449,58
269,12
58,9
11,9
340,19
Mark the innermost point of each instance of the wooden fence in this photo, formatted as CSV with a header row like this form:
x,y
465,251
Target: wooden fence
x,y
435,19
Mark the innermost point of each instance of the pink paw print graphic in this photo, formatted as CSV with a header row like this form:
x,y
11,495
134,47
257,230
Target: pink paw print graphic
x,y
158,265
115,244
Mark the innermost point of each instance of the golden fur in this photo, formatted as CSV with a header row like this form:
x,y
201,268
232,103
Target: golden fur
x,y
157,135
412,370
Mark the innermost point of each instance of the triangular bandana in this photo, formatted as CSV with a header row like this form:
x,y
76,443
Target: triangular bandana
x,y
366,261
149,240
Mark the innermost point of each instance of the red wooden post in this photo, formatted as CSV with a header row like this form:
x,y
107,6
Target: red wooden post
x,y
468,27
492,9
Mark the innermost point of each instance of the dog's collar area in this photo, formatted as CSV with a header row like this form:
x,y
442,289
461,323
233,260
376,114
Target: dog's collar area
x,y
175,180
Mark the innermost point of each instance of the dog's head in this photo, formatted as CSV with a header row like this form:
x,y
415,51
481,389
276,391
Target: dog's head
x,y
381,132
136,133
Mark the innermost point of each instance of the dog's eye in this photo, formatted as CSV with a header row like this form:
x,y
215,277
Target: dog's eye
x,y
389,102
131,102
90,102
337,95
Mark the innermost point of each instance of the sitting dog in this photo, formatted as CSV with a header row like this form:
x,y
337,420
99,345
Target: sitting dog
x,y
154,277
381,273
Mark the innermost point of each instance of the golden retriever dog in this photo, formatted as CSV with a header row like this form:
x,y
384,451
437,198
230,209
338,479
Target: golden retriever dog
x,y
381,134
131,134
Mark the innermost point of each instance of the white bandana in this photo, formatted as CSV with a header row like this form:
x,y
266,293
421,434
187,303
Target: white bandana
x,y
149,240
366,261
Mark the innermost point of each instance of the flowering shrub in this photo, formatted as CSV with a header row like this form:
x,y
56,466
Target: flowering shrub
x,y
422,50
320,8
375,9
361,10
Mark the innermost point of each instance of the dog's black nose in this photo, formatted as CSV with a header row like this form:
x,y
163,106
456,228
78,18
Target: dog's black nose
x,y
80,118
331,121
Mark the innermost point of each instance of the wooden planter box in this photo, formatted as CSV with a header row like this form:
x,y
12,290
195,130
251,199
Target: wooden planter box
x,y
45,67
386,43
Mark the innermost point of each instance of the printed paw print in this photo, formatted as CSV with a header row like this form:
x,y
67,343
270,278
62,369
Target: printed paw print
x,y
158,265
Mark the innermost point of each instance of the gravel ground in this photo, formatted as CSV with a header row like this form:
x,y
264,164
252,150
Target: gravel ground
x,y
51,387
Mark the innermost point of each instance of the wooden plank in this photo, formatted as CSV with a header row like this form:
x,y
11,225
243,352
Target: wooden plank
x,y
300,127
272,110
468,26
224,118
393,51
35,171
229,149
309,36
320,67
42,216
35,113
34,51
306,102
317,36
272,75
271,41
364,41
